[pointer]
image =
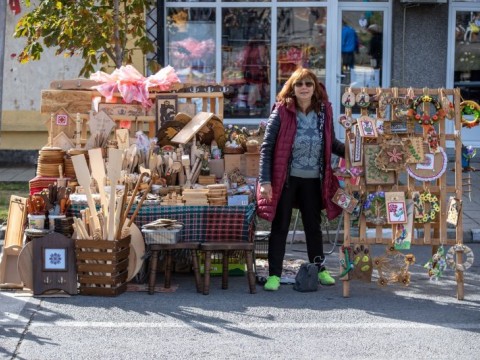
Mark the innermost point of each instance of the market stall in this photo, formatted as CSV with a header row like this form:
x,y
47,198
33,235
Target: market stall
x,y
123,153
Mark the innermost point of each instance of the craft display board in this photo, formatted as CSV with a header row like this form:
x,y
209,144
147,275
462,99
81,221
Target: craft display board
x,y
395,127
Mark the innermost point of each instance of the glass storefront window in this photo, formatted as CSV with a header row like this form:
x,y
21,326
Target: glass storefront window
x,y
467,54
191,43
245,61
301,41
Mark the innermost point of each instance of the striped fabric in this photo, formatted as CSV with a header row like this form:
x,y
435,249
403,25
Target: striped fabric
x,y
201,223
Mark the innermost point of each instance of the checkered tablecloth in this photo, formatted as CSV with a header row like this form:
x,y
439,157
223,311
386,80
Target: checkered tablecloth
x,y
201,223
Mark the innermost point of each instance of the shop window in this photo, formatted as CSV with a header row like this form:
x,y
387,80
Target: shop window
x,y
191,43
245,62
301,41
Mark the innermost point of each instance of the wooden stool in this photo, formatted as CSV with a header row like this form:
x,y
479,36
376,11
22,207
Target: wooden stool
x,y
192,247
225,248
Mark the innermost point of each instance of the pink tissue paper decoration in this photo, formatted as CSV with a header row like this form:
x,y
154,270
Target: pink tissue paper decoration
x,y
132,85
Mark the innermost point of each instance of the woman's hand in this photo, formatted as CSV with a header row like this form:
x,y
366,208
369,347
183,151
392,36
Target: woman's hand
x,y
266,191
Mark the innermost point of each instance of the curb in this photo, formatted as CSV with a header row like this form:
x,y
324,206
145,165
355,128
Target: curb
x,y
469,236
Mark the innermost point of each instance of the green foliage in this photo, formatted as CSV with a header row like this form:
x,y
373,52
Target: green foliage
x,y
100,31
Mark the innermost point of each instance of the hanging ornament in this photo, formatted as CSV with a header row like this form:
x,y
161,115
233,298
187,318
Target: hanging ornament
x,y
468,152
393,267
423,117
451,257
437,264
470,112
348,98
392,155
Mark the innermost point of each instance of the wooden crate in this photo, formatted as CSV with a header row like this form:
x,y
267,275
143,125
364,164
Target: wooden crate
x,y
102,266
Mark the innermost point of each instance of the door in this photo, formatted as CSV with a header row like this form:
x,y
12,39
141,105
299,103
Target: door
x,y
363,53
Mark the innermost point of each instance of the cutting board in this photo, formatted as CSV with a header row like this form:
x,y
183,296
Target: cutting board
x,y
17,215
192,127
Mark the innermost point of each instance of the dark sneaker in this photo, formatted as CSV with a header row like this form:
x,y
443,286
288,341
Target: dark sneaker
x,y
325,278
273,283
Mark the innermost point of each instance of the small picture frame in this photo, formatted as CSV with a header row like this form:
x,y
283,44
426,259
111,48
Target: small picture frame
x,y
398,127
396,207
373,174
454,208
166,106
54,259
346,201
367,127
355,146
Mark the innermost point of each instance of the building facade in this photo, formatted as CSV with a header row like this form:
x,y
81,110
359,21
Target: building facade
x,y
253,46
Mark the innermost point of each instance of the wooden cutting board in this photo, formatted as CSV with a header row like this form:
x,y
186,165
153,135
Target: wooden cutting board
x,y
17,215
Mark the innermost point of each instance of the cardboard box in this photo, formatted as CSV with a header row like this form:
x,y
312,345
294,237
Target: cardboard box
x,y
233,161
248,163
217,167
252,164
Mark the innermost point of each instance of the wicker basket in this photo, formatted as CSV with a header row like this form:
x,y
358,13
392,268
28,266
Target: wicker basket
x,y
162,235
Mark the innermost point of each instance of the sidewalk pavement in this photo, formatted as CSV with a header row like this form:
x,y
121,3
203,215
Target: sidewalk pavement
x,y
471,197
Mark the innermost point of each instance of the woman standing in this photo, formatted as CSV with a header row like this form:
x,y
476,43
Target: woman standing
x,y
295,169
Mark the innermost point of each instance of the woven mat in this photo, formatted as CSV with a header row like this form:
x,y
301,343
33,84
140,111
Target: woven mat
x,y
144,287
289,271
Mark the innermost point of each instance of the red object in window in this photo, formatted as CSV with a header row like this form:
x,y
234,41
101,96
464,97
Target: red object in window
x,y
15,6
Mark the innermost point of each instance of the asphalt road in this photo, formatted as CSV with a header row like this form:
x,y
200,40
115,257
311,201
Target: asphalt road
x,y
421,321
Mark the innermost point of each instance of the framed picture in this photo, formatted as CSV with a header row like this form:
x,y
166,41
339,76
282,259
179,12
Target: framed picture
x,y
398,127
374,175
54,259
355,146
367,127
396,207
166,106
346,201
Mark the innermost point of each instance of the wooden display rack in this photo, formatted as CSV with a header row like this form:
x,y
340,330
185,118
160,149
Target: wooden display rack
x,y
434,233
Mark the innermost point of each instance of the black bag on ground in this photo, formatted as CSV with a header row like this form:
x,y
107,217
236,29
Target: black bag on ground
x,y
307,278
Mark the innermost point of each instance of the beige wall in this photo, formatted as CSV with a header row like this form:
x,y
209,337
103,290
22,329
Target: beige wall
x,y
21,124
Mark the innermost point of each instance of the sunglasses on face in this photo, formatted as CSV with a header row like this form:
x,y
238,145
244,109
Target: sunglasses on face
x,y
308,84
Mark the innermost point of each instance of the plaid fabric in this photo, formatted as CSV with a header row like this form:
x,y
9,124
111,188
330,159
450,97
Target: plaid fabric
x,y
201,223
228,223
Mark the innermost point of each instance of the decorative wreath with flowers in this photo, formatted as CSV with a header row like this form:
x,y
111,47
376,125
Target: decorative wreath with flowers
x,y
428,198
422,117
470,111
375,208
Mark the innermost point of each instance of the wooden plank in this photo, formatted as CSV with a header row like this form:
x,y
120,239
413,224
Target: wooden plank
x,y
192,127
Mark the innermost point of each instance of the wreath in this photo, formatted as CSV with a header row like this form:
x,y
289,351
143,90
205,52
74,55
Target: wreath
x,y
375,208
422,117
429,216
470,108
451,261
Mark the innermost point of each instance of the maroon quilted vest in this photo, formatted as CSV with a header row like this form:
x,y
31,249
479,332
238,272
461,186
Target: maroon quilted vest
x,y
283,150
